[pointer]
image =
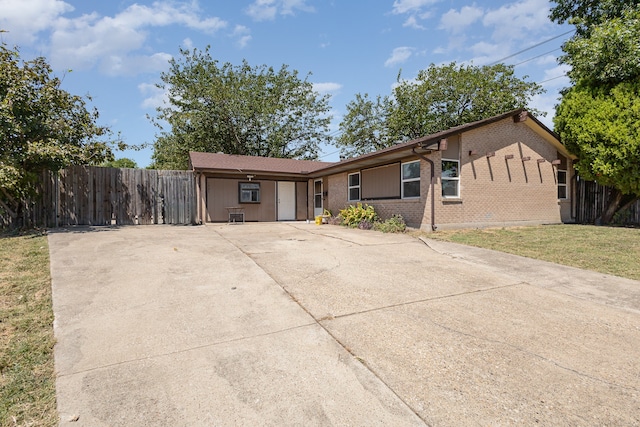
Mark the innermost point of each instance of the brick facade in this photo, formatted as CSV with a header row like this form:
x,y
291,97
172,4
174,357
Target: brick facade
x,y
512,186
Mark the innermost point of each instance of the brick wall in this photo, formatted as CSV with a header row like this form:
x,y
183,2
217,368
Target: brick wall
x,y
493,190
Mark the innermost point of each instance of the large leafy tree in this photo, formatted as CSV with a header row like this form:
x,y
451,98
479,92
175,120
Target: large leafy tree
x,y
440,97
256,111
597,118
41,127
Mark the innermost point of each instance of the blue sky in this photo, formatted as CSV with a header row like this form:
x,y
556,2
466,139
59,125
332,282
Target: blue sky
x,y
117,49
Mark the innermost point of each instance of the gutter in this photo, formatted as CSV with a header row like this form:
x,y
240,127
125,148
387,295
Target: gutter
x,y
432,185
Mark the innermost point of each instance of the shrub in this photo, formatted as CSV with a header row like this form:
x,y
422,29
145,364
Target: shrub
x,y
352,216
395,224
335,220
365,225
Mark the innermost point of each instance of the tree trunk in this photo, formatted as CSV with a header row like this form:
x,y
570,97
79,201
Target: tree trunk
x,y
612,207
617,202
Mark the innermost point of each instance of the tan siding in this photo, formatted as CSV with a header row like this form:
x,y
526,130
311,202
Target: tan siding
x,y
301,201
223,193
382,182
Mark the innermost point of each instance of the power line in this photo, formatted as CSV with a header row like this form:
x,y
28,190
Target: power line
x,y
532,47
553,78
536,57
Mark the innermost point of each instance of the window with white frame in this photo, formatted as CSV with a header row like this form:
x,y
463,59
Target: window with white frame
x,y
411,179
562,184
354,186
450,178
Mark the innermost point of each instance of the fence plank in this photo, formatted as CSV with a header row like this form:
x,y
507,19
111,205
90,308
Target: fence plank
x,y
591,201
90,195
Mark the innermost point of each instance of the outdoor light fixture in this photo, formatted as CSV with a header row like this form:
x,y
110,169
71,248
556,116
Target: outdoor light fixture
x,y
249,177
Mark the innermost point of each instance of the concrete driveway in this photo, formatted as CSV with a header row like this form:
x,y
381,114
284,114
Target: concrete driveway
x,y
298,324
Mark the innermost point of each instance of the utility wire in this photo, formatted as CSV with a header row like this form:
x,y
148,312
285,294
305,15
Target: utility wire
x,y
532,47
536,57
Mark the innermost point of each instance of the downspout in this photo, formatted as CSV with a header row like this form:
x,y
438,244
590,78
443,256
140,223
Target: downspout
x,y
432,186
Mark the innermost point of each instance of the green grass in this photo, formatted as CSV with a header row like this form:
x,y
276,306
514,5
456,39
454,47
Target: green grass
x,y
27,378
611,250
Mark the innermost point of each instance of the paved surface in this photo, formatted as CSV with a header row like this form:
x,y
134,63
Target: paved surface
x,y
298,324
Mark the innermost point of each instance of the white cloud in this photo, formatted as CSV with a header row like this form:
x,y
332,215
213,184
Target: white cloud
x,y
108,42
116,65
410,6
519,20
456,22
24,19
556,77
267,10
399,55
412,22
154,96
242,35
187,43
327,87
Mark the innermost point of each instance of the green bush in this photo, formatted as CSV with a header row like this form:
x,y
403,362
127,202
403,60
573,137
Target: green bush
x,y
352,216
395,224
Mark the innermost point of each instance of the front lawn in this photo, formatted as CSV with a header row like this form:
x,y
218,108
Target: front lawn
x,y
611,250
27,378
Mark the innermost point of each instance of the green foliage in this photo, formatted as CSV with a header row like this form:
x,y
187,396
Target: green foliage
x,y
122,162
440,98
363,128
353,216
256,111
41,127
395,224
597,118
602,127
586,14
609,55
364,217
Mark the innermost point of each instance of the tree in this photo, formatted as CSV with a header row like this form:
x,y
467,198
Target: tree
x,y
439,98
123,162
41,127
245,110
597,118
363,129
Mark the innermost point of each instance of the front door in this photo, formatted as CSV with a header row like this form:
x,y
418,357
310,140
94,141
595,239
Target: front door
x,y
317,198
286,201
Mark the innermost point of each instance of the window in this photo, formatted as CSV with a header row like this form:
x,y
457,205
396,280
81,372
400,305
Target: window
x,y
562,184
450,178
354,186
249,192
381,182
411,179
317,194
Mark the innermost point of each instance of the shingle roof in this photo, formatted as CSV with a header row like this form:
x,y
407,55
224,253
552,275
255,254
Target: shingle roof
x,y
243,164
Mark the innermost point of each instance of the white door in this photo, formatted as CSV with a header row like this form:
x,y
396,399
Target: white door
x,y
317,198
286,201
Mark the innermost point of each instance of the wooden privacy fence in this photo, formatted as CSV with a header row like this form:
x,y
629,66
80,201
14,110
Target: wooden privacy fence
x,y
91,195
591,200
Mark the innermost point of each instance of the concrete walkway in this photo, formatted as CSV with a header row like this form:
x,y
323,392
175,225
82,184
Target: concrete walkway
x,y
298,324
